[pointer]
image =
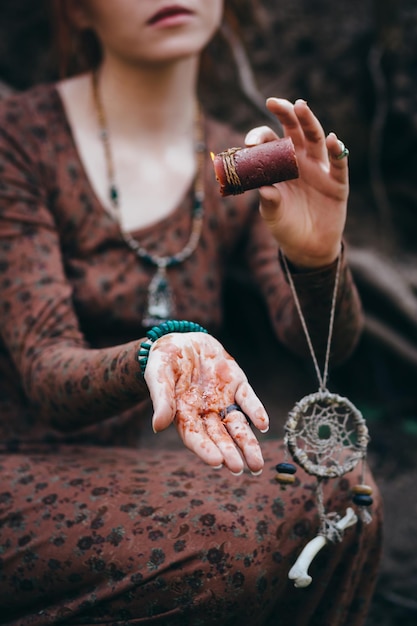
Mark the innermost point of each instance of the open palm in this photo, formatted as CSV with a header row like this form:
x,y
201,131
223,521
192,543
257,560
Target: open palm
x,y
192,380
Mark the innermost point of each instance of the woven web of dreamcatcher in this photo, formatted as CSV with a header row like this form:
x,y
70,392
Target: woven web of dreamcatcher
x,y
326,434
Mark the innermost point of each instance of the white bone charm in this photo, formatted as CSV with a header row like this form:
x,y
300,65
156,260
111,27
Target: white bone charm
x,y
299,571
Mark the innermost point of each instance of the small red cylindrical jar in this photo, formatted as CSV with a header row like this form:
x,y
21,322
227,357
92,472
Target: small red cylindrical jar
x,y
240,169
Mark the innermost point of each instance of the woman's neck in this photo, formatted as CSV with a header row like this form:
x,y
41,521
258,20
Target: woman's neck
x,y
148,99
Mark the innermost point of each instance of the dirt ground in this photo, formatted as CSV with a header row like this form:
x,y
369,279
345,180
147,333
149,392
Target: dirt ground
x,y
355,63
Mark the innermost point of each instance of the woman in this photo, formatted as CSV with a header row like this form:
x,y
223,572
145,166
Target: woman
x,y
103,182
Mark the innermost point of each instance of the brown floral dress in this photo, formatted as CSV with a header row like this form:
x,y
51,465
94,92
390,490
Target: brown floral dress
x,y
94,527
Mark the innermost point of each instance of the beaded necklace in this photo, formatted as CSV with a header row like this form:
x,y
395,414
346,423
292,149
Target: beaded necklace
x,y
160,304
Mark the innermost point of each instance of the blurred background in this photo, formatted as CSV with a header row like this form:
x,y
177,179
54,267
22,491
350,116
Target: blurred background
x,y
356,64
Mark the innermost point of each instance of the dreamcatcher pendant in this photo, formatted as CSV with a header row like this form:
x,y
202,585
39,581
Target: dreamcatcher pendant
x,y
160,305
327,436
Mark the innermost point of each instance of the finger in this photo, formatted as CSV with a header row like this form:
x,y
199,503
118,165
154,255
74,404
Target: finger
x,y
270,203
193,433
238,428
338,156
260,134
315,143
161,376
162,393
218,433
284,110
250,404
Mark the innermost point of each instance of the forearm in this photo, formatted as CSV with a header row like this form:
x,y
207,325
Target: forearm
x,y
315,292
314,289
73,387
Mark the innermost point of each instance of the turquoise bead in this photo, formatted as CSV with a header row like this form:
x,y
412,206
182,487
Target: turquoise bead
x,y
169,326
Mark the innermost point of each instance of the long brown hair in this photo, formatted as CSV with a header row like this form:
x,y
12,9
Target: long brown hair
x,y
78,50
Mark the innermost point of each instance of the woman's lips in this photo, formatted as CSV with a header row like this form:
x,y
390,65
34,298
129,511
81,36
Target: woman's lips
x,y
169,13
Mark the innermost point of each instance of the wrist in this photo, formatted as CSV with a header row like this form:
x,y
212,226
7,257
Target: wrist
x,y
165,328
304,263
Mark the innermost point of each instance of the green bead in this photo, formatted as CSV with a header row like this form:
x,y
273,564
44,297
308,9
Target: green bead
x,y
114,194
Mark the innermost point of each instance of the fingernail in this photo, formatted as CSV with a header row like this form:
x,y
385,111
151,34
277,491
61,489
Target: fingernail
x,y
153,426
300,100
237,473
258,473
264,430
252,138
217,467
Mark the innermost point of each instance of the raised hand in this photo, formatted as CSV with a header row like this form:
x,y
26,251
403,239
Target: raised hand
x,y
307,215
194,383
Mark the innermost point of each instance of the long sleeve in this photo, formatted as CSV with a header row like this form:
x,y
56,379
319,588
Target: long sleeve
x,y
314,290
71,384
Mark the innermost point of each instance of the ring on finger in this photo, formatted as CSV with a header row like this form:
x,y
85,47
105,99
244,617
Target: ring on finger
x,y
344,152
232,407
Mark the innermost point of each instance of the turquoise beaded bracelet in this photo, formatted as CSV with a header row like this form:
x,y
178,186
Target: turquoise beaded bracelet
x,y
170,326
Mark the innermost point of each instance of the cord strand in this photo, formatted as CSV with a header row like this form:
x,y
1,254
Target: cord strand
x,y
322,378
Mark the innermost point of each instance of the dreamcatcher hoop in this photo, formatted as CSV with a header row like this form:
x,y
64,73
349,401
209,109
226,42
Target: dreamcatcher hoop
x,y
327,423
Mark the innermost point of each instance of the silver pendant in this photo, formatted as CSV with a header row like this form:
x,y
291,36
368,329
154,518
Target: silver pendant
x,y
160,305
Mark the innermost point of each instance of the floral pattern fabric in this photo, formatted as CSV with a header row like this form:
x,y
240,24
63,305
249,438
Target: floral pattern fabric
x,y
119,536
